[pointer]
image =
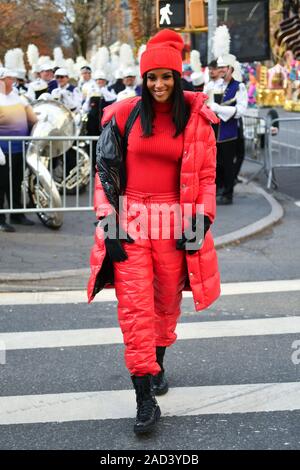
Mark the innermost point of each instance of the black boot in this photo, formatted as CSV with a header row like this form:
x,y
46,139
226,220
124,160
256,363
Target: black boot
x,y
224,200
160,384
148,411
4,227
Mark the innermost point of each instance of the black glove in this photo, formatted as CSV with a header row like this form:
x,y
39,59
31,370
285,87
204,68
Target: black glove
x,y
197,219
112,241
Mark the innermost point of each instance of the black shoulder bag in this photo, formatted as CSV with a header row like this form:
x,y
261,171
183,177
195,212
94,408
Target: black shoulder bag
x,y
111,155
129,124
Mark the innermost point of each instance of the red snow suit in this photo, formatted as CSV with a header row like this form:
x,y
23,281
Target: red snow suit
x,y
149,284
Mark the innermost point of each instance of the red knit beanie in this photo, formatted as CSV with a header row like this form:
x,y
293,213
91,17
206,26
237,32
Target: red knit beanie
x,y
163,52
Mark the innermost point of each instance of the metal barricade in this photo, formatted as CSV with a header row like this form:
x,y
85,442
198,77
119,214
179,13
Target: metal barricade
x,y
254,128
56,175
283,149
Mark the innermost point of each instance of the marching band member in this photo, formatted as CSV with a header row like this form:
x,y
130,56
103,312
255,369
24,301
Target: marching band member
x,y
86,82
47,74
16,119
229,103
101,80
67,94
131,89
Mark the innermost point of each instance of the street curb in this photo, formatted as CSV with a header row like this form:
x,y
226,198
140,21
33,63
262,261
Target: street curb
x,y
8,277
275,216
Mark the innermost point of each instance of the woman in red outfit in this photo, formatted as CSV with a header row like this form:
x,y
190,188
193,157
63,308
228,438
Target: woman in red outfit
x,y
170,161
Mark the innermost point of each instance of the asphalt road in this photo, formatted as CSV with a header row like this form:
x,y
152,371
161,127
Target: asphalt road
x,y
211,362
260,410
259,357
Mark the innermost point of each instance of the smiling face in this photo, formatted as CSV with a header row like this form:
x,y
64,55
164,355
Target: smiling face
x,y
160,83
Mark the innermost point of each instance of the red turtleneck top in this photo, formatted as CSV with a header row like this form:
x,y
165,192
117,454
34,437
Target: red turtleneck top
x,y
152,163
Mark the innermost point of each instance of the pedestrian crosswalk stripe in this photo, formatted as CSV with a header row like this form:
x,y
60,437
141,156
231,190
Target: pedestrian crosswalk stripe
x,y
185,331
181,401
261,287
108,295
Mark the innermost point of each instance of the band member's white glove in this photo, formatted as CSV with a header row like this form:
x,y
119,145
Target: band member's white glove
x,y
223,112
215,107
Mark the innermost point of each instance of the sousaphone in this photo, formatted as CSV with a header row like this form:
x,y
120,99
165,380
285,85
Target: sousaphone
x,y
54,120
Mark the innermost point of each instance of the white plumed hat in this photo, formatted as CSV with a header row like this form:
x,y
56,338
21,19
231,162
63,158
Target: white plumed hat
x,y
58,56
221,41
14,61
33,55
126,56
195,61
226,60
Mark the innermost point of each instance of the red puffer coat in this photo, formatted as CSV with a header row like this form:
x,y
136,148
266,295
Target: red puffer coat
x,y
197,186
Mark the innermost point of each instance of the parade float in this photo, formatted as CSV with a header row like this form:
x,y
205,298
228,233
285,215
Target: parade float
x,y
279,84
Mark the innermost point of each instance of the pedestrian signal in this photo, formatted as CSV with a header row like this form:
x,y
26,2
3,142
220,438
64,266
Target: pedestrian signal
x,y
171,14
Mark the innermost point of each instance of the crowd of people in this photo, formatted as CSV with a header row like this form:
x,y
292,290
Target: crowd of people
x,y
96,89
16,119
182,146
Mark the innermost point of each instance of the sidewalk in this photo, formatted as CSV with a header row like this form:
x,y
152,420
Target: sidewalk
x,y
38,254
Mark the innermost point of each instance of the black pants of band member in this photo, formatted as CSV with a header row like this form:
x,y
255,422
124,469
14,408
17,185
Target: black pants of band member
x,y
226,152
16,178
240,149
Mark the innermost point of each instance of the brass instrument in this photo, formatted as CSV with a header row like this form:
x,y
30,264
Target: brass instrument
x,y
54,119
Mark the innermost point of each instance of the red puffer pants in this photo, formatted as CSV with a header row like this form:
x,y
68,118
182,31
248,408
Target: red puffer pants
x,y
149,285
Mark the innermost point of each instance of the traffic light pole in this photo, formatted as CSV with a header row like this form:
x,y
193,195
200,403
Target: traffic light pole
x,y
212,24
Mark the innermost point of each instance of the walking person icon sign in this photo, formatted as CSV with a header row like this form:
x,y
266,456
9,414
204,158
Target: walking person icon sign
x,y
171,14
165,13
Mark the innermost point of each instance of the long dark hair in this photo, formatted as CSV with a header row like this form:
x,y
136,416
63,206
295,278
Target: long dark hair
x,y
180,109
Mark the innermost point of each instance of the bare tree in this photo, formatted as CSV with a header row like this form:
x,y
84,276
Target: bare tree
x,y
136,26
112,22
82,22
82,18
148,17
22,26
143,23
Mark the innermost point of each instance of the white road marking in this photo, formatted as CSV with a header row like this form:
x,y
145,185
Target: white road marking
x,y
185,331
181,401
262,287
108,295
297,203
